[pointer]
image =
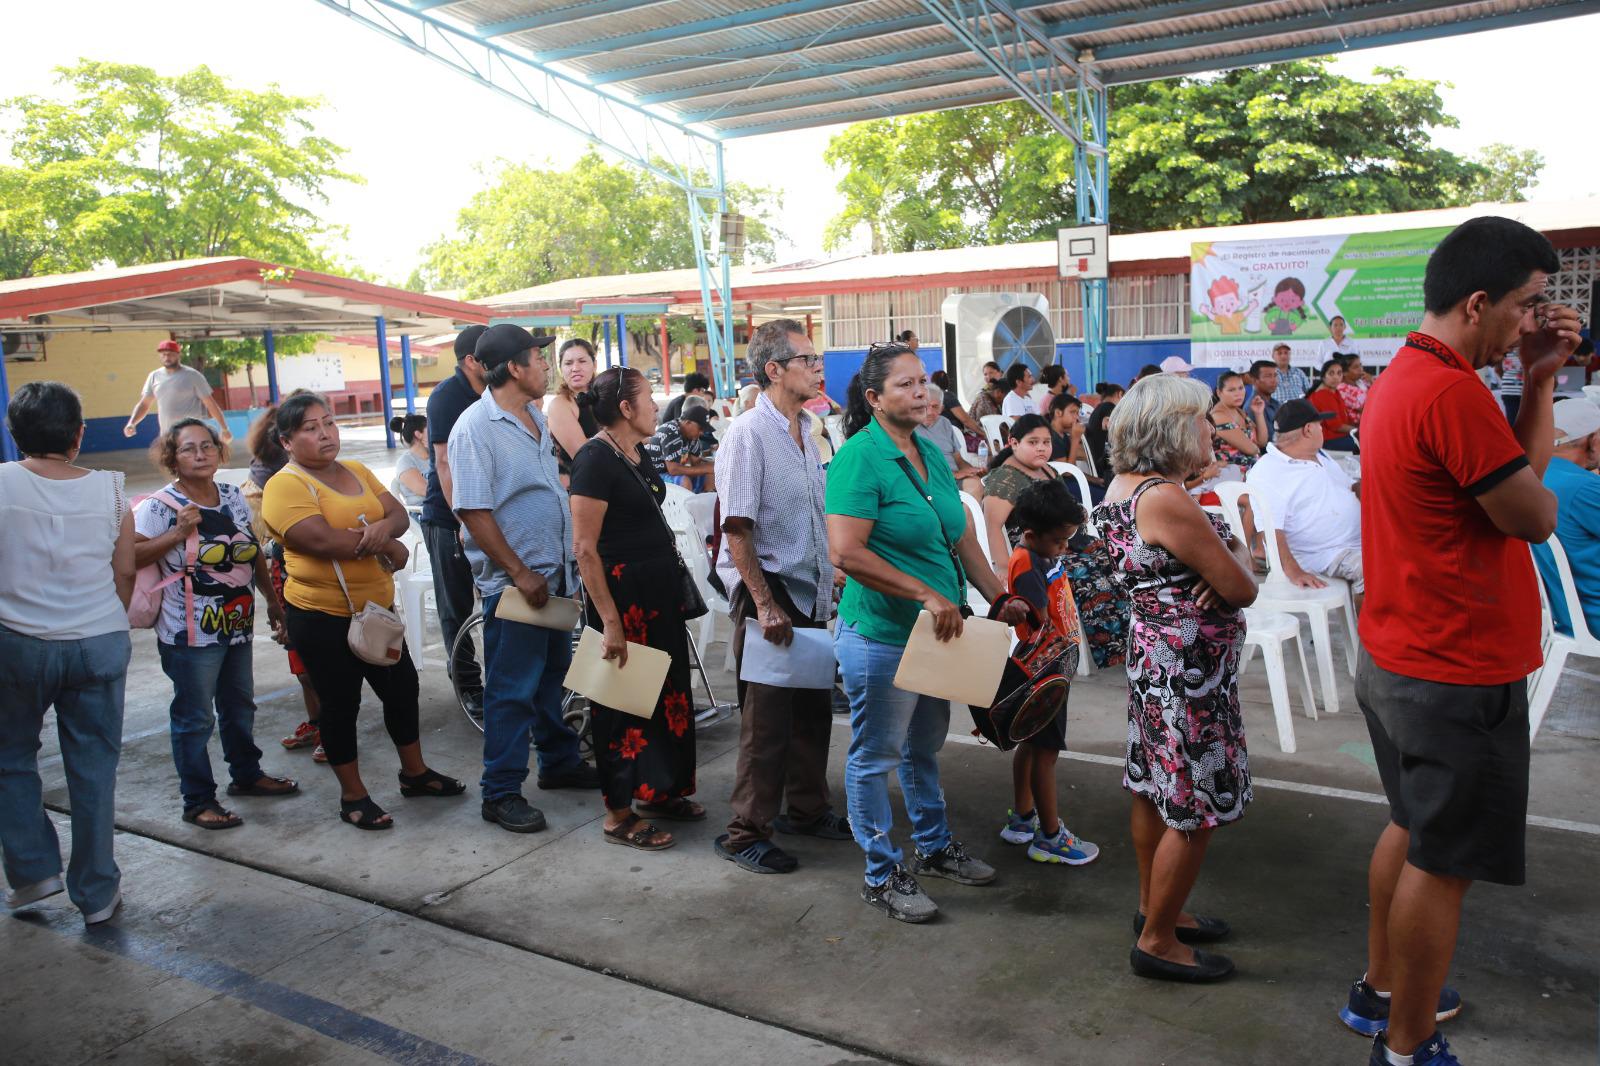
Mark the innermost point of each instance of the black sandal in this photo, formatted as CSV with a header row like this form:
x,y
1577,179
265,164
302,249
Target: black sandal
x,y
646,837
228,820
287,786
423,785
677,809
367,814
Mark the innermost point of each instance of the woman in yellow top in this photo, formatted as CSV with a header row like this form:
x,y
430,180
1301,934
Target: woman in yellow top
x,y
328,512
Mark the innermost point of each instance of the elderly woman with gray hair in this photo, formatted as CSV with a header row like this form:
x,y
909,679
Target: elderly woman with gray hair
x,y
1188,577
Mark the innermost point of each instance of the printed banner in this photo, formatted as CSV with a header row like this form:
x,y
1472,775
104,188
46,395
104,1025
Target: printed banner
x,y
1246,297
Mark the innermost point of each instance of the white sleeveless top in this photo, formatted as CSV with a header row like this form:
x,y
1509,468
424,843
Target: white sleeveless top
x,y
55,559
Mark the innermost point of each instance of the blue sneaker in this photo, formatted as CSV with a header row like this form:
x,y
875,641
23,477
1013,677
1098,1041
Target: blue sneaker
x,y
1019,830
1368,1013
1063,847
1433,1051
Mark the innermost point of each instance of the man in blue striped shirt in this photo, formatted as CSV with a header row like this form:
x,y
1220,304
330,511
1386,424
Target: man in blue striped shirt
x,y
1293,383
509,497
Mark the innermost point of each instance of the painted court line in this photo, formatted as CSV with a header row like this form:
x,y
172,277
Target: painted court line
x,y
329,1019
1285,786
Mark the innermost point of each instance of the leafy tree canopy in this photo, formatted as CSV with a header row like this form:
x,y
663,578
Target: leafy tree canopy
x,y
533,225
1260,144
132,167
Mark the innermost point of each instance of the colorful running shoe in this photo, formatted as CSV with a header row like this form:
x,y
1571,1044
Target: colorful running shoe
x,y
305,735
1063,847
1019,830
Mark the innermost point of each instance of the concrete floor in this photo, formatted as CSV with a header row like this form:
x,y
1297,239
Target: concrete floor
x,y
297,939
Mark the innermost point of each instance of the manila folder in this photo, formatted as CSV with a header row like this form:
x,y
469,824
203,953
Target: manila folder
x,y
557,613
635,688
966,669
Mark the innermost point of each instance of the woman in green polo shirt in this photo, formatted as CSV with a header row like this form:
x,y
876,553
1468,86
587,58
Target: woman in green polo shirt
x,y
898,530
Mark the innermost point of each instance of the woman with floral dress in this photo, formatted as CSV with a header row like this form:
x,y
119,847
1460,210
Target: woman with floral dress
x,y
630,572
1238,436
1188,577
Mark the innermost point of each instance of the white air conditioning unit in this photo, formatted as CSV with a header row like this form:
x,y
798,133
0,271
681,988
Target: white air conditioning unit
x,y
1006,327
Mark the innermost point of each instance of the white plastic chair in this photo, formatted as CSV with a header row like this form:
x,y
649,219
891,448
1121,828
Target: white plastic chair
x,y
991,429
1277,593
1557,646
1069,470
1592,393
1270,631
692,546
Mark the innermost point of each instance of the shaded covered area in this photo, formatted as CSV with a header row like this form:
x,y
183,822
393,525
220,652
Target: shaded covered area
x,y
71,326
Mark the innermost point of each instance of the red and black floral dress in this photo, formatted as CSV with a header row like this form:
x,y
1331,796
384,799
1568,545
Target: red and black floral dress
x,y
651,760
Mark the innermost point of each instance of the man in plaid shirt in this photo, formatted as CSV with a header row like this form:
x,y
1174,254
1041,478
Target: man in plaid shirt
x,y
1293,383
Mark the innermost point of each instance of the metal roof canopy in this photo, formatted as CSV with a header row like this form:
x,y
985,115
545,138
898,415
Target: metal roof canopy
x,y
228,297
664,83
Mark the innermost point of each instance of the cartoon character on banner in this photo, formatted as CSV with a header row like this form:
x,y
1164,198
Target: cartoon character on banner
x,y
1288,310
1225,307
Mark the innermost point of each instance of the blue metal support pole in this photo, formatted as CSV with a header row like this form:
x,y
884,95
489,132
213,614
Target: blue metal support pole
x,y
384,387
605,352
270,345
729,379
409,373
1094,193
8,447
622,339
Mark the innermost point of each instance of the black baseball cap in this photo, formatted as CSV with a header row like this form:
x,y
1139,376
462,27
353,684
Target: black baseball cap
x,y
503,342
467,340
1297,414
696,414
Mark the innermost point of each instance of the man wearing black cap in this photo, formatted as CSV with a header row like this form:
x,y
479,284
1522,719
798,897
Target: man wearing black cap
x,y
682,448
452,577
508,495
1312,501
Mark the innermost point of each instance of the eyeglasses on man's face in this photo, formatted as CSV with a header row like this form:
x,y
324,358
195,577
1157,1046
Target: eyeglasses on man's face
x,y
810,362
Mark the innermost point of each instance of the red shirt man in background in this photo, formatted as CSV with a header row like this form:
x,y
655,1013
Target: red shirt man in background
x,y
1451,499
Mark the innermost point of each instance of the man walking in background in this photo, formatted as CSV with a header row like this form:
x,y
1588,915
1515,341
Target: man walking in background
x,y
178,392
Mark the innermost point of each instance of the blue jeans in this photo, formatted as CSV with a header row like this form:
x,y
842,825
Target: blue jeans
x,y
890,729
83,680
695,483
219,676
523,670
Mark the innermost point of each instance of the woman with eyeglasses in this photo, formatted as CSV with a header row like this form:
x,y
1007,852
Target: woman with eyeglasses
x,y
198,531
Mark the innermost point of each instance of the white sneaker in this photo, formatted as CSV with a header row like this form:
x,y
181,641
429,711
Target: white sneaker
x,y
21,897
105,913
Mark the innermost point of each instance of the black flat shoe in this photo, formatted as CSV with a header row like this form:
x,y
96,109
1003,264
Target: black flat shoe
x,y
1205,931
1206,968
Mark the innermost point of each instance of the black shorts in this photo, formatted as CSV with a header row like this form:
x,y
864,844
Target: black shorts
x,y
1454,763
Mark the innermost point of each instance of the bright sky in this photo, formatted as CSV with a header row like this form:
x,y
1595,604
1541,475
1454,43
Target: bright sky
x,y
419,132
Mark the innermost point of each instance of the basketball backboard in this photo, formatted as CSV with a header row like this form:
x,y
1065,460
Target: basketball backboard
x,y
1081,251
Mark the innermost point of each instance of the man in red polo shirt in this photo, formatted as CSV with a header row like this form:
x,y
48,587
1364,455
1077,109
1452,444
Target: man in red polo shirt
x,y
1451,499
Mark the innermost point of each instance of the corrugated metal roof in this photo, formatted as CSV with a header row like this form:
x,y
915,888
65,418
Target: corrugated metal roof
x,y
742,67
1165,251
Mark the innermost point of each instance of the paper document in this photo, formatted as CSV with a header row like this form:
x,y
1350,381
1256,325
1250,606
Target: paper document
x,y
807,662
557,613
634,689
966,669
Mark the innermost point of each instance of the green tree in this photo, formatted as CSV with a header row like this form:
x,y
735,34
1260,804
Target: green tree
x,y
132,167
1259,144
1507,174
530,226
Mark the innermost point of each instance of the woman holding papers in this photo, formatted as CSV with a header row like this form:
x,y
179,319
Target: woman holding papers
x,y
630,570
1188,577
899,531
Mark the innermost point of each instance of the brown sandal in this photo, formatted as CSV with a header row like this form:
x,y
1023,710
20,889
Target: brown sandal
x,y
266,785
677,809
646,837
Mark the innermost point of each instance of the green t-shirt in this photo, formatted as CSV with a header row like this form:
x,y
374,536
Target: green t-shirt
x,y
866,480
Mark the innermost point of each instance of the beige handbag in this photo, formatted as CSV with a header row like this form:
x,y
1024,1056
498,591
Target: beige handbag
x,y
377,635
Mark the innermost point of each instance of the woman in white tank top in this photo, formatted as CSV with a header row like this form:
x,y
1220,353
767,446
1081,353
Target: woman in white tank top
x,y
66,575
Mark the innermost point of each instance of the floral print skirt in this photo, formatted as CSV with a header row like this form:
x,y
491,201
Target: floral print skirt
x,y
1186,749
650,760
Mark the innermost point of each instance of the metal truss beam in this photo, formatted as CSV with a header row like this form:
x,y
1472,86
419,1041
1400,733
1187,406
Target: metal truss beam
x,y
1068,95
688,159
1024,56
